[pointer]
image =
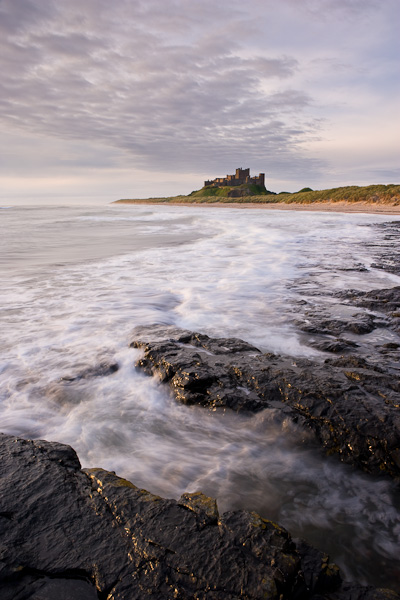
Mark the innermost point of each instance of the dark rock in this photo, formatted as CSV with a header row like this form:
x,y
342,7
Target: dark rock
x,y
390,349
319,573
68,534
101,370
360,324
350,404
384,300
351,591
387,254
360,268
334,346
202,505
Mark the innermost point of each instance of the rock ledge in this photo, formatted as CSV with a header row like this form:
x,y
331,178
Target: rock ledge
x,y
350,405
72,534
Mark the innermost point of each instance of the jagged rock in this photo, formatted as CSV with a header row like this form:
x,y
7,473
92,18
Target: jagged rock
x,y
334,346
319,574
360,324
383,300
351,405
72,534
387,254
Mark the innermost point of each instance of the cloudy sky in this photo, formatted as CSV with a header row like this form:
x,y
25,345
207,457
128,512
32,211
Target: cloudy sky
x,y
103,100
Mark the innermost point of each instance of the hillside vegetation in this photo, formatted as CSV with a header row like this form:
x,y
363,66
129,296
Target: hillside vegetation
x,y
371,194
226,192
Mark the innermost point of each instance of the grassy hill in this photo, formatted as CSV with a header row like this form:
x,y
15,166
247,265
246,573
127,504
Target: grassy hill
x,y
371,194
235,192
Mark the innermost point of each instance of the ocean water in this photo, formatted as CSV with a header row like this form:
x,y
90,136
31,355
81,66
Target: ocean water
x,y
76,281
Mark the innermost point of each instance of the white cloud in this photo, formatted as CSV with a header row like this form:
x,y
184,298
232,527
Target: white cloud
x,y
186,87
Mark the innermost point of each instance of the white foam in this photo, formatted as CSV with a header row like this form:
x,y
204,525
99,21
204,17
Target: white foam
x,y
223,272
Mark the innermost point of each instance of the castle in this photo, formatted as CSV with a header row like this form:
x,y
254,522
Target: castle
x,y
241,176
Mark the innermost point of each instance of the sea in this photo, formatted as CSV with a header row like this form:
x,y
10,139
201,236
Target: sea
x,y
76,281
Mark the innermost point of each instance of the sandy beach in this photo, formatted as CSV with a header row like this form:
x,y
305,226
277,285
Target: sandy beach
x,y
345,207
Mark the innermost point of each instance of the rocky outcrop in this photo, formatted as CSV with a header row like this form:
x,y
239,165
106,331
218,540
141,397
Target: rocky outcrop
x,y
350,404
385,301
72,534
387,250
359,324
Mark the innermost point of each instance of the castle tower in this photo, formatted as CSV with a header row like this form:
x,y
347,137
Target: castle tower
x,y
241,176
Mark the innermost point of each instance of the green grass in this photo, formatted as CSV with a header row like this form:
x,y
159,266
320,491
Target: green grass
x,y
371,194
306,189
223,192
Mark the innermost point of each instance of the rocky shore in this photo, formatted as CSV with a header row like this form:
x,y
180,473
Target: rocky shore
x,y
69,533
76,534
350,405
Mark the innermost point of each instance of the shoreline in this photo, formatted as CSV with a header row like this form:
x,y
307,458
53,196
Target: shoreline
x,y
344,207
104,528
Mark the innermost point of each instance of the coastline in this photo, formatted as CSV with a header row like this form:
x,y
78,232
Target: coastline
x,y
272,464
101,531
344,207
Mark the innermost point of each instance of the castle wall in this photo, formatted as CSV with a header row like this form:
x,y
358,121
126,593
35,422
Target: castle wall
x,y
241,176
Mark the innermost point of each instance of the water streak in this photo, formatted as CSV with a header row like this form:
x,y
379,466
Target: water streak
x,y
75,282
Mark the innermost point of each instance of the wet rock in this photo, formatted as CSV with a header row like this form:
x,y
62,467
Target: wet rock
x,y
319,574
334,346
201,505
391,348
101,370
383,300
359,267
75,534
387,254
360,324
332,318
353,592
330,334
350,404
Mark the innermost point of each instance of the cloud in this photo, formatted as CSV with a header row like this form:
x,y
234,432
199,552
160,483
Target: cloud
x,y
152,80
187,86
326,9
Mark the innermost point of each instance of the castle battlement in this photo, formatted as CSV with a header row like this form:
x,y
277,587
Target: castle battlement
x,y
241,176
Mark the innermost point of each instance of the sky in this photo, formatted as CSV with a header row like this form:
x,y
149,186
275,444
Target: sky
x,y
104,100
